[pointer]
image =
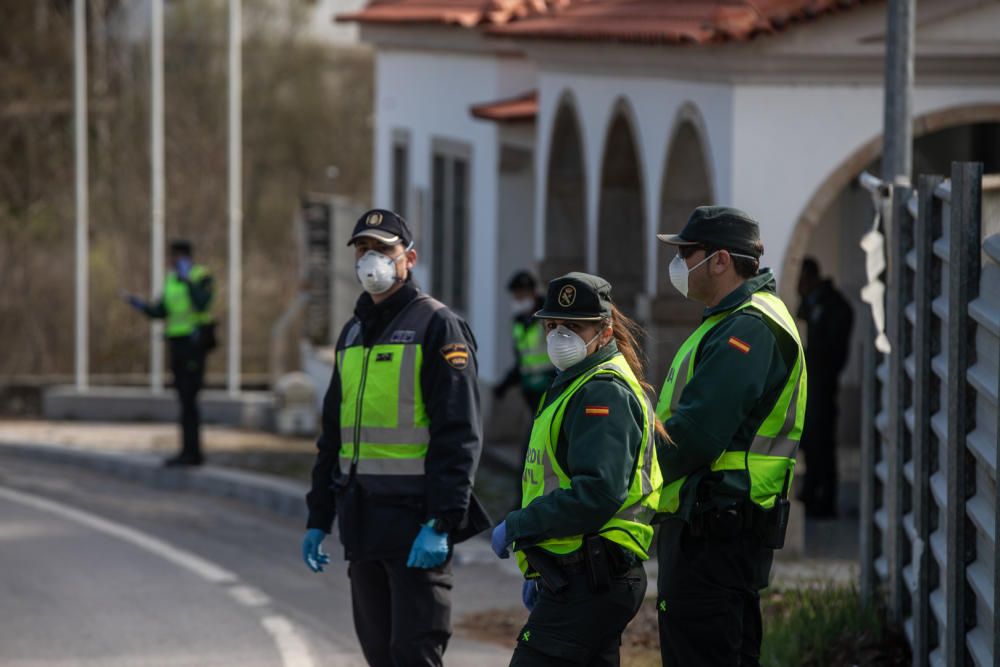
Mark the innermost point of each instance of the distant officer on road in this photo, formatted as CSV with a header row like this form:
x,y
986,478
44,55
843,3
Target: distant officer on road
x,y
733,405
399,447
532,370
828,319
590,484
190,330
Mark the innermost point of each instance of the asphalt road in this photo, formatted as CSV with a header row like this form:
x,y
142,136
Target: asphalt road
x,y
99,571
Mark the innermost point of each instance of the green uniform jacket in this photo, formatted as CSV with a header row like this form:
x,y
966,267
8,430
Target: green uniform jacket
x,y
590,450
727,399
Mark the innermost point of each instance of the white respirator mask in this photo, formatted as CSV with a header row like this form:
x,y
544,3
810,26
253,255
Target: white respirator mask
x,y
565,348
522,306
679,270
377,272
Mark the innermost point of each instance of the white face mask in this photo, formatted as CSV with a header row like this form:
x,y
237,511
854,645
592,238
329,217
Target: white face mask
x,y
565,348
377,272
679,271
522,306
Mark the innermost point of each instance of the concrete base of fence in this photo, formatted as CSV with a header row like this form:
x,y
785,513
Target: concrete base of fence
x,y
252,409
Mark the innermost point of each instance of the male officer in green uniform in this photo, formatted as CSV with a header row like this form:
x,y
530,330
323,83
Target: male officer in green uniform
x,y
532,369
733,405
398,452
190,331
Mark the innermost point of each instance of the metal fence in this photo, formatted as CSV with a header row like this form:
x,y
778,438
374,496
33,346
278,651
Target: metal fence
x,y
929,519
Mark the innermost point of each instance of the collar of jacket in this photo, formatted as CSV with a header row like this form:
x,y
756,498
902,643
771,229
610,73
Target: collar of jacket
x,y
570,374
762,282
367,311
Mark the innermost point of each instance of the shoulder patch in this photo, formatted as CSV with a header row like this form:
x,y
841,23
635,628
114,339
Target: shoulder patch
x,y
456,354
740,345
596,410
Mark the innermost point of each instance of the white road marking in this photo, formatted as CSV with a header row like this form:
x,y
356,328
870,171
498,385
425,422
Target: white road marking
x,y
249,596
292,648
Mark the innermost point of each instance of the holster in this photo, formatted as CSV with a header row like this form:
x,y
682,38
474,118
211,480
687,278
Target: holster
x,y
771,525
549,571
597,560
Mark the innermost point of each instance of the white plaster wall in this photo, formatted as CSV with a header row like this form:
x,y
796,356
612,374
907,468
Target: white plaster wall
x,y
654,105
428,94
787,140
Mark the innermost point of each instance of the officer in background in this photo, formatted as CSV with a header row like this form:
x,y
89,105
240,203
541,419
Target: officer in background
x,y
532,370
190,330
399,447
828,319
733,405
590,484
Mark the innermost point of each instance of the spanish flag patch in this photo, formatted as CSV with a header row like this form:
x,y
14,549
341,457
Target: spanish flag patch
x,y
596,410
739,345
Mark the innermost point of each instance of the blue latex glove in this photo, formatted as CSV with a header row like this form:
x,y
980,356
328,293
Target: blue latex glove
x,y
312,551
430,549
499,540
135,302
183,267
529,594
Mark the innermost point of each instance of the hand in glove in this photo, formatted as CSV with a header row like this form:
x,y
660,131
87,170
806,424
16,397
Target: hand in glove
x,y
429,549
133,300
529,594
499,540
312,551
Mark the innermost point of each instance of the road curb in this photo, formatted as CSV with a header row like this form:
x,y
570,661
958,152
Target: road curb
x,y
282,496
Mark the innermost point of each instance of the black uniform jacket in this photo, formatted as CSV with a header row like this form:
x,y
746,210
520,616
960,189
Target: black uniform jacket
x,y
383,527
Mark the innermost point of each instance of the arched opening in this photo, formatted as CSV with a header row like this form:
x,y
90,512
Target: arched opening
x,y
839,213
565,203
686,184
621,235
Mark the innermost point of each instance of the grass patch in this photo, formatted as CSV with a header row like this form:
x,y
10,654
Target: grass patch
x,y
827,625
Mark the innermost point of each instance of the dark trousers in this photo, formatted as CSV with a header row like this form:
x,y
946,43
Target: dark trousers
x,y
819,447
579,627
187,362
402,614
709,602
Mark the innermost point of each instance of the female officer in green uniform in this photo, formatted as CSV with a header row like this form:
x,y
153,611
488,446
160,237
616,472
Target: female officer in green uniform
x,y
590,485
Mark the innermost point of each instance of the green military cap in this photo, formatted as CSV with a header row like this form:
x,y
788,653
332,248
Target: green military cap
x,y
577,296
719,226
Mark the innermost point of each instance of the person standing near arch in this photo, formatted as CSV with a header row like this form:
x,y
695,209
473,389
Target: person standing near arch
x,y
733,405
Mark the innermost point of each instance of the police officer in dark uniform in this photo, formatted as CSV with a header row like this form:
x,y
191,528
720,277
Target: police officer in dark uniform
x,y
399,447
590,484
733,405
828,319
532,371
185,307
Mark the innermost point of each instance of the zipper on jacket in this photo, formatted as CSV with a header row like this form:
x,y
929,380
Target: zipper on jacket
x,y
358,410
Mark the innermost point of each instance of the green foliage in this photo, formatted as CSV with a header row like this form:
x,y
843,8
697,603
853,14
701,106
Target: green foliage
x,y
826,626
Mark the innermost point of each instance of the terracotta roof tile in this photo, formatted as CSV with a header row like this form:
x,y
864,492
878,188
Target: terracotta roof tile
x,y
669,21
522,108
466,13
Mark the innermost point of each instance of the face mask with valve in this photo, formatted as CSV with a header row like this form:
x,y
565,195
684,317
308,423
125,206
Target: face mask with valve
x,y
377,272
565,348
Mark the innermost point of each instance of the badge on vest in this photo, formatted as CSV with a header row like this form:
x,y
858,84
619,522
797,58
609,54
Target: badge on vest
x,y
403,336
456,354
383,356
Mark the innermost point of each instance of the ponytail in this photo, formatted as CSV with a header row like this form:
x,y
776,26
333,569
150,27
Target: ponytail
x,y
627,334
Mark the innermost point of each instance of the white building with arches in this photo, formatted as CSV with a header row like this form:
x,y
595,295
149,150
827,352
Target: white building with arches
x,y
565,135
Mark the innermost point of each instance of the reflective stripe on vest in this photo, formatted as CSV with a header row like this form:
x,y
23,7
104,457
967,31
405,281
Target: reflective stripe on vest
x,y
182,317
630,527
384,426
772,452
533,355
